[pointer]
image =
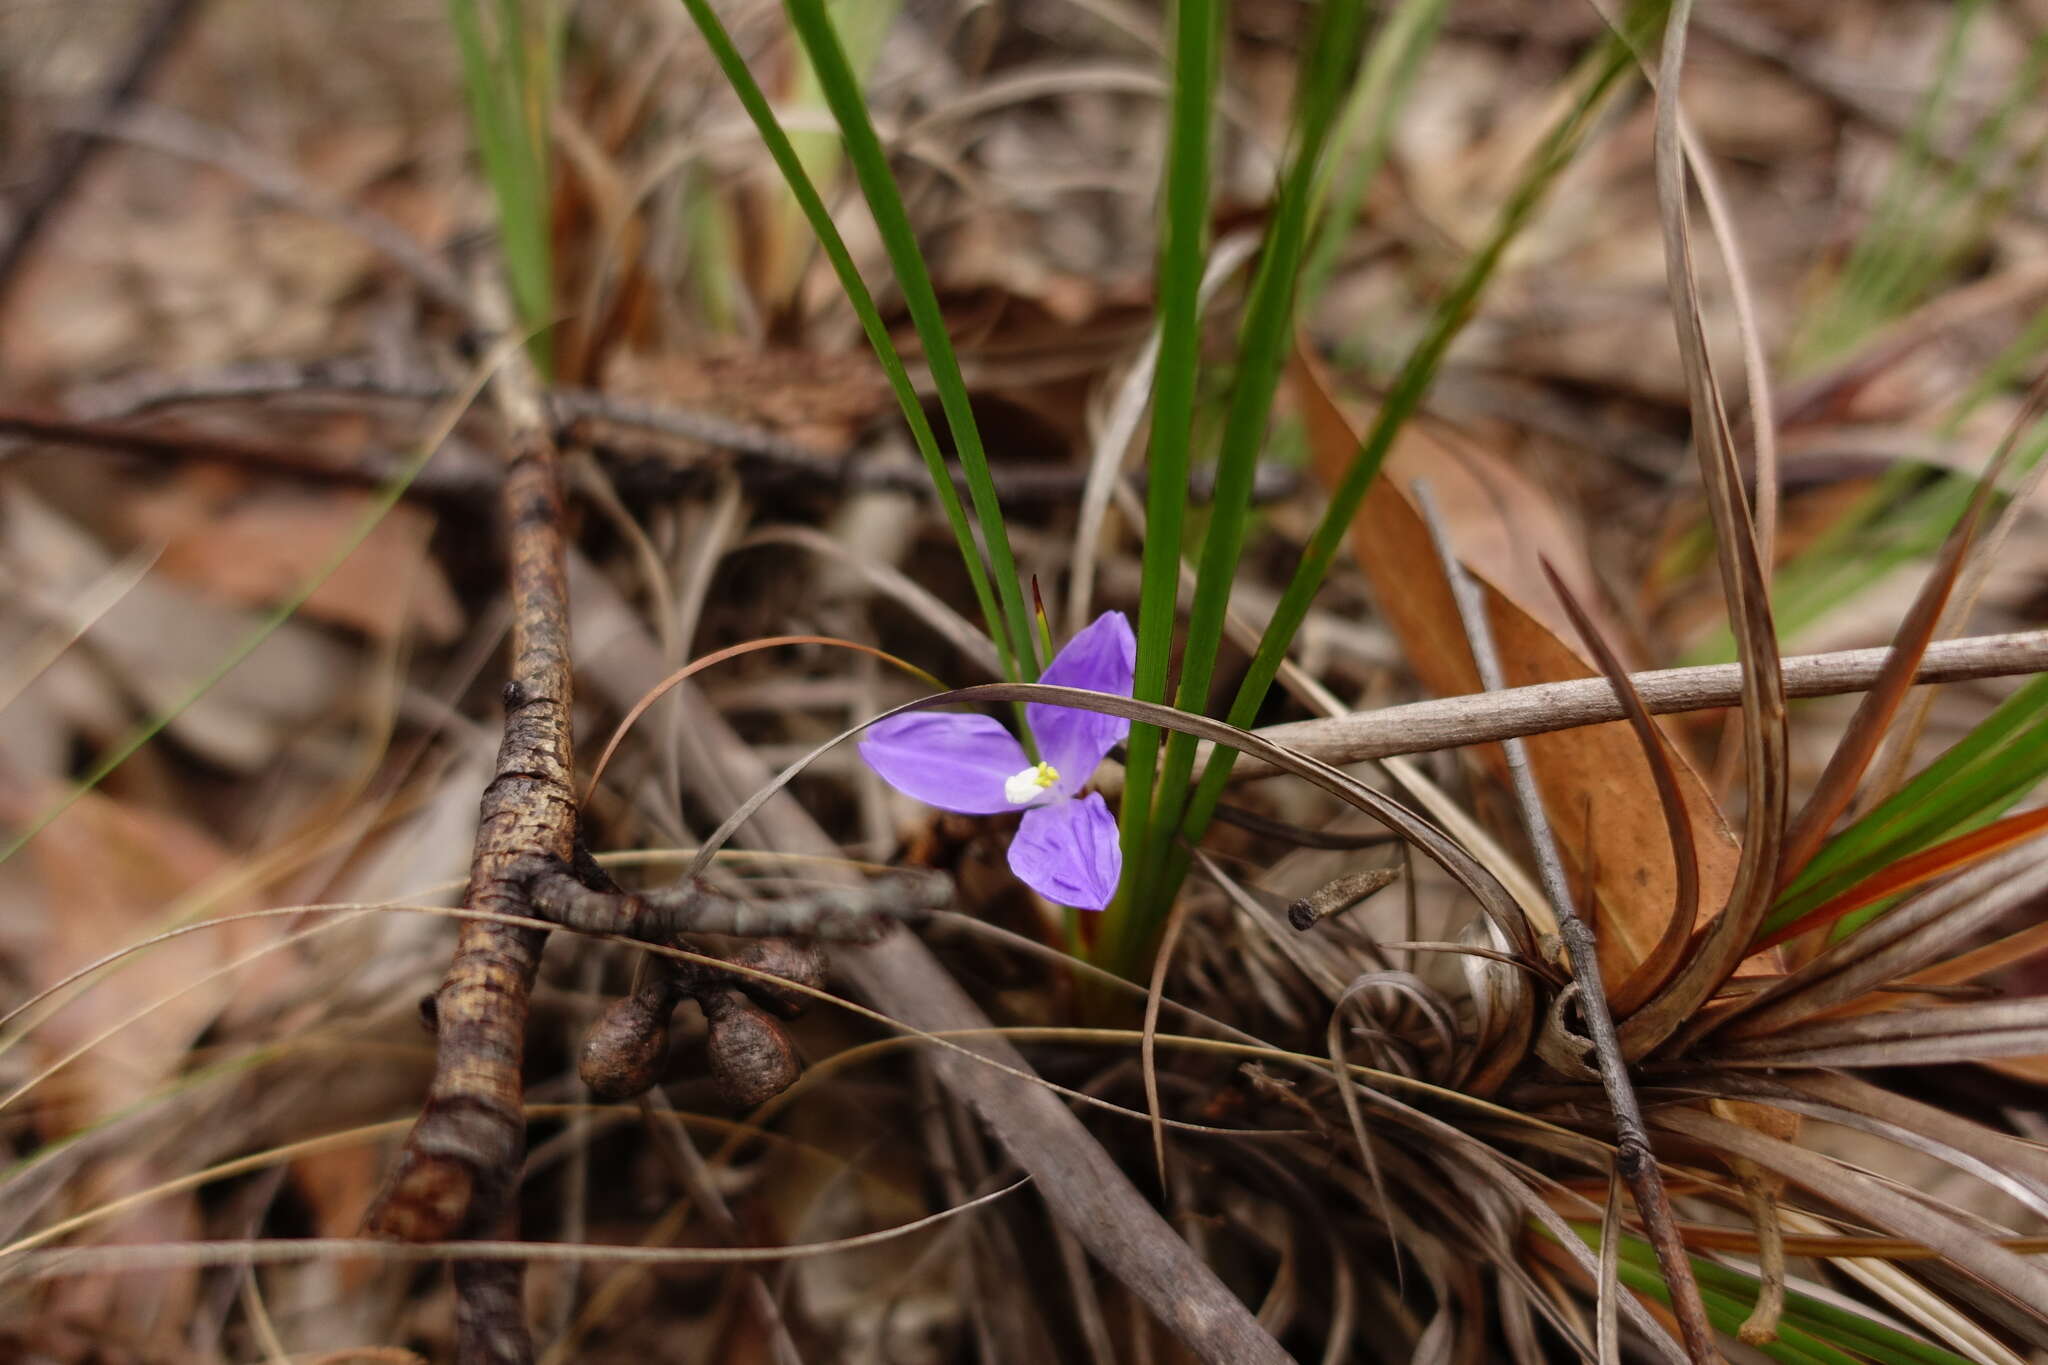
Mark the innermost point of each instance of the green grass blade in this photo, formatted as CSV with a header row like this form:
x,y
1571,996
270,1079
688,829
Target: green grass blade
x,y
1856,302
1183,247
1264,341
862,24
834,246
1973,782
1606,69
510,85
1810,1322
1893,525
1793,1346
1404,40
1906,810
870,162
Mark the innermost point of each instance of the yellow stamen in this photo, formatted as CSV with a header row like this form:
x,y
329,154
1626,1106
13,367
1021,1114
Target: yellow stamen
x,y
1023,788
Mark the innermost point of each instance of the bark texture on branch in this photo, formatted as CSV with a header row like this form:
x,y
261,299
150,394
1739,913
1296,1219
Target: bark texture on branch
x,y
467,1142
457,1173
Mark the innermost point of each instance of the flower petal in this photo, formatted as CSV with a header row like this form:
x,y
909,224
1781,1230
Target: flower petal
x,y
1102,658
956,763
1068,852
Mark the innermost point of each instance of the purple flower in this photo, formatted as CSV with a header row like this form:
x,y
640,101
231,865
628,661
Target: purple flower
x,y
1066,849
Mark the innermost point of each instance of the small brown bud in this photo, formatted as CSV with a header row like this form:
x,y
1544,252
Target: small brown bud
x,y
792,960
625,1051
752,1059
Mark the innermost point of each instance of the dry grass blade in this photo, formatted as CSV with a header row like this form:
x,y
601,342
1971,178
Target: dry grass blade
x,y
1994,956
1655,969
1925,866
1092,1195
2003,1159
1911,1037
1726,941
969,641
2007,1164
1483,1163
1872,1199
717,656
1867,728
1913,1299
1606,1331
1907,939
1148,1049
43,1265
1970,581
1347,1091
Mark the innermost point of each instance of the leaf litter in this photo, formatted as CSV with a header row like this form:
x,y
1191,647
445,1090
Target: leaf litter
x,y
1380,1162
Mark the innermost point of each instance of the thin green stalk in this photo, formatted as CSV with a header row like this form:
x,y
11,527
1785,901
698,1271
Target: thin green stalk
x,y
1963,205
1891,526
510,85
1851,307
861,25
1404,39
834,246
1608,67
848,103
1264,341
1183,247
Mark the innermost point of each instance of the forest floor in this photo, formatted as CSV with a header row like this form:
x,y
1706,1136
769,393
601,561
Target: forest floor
x,y
255,662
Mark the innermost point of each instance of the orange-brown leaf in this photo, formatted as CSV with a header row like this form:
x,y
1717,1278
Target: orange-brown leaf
x,y
1596,784
1924,866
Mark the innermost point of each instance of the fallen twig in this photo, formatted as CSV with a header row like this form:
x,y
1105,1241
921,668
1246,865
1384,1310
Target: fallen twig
x,y
459,1168
608,423
1479,718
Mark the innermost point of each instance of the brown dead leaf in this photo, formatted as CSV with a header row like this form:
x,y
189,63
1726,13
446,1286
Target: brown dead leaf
x,y
817,400
257,544
158,641
107,871
1596,784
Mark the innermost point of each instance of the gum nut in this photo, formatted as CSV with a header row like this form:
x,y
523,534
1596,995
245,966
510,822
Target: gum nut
x,y
626,1050
796,960
752,1059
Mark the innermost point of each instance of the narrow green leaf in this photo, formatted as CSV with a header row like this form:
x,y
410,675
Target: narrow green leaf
x,y
1973,781
870,162
1604,71
1264,340
1398,50
834,246
1811,1329
509,80
1184,235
